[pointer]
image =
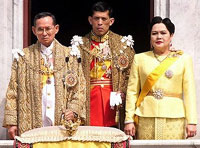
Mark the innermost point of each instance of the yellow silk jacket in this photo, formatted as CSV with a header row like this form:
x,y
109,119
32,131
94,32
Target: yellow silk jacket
x,y
24,94
179,97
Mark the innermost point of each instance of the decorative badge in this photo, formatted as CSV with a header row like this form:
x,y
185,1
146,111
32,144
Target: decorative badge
x,y
122,61
158,94
70,79
104,67
169,74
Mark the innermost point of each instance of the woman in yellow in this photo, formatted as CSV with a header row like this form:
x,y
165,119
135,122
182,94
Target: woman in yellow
x,y
161,101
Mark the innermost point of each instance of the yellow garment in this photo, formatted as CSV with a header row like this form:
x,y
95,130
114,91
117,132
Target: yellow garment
x,y
97,72
72,144
167,107
153,77
160,128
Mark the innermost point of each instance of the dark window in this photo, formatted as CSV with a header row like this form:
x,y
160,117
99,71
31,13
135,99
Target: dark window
x,y
131,17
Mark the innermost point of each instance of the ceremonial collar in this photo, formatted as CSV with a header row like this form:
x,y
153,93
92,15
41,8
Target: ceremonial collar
x,y
96,38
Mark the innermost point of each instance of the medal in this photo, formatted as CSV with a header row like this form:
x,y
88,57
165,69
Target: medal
x,y
169,74
70,79
122,61
104,67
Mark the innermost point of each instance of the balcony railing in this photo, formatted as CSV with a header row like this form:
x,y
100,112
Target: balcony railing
x,y
140,143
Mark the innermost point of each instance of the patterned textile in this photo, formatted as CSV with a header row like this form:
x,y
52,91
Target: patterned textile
x,y
160,128
24,94
75,144
18,144
124,144
119,77
101,114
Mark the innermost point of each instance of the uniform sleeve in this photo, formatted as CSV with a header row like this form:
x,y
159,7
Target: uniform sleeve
x,y
132,91
189,92
10,112
77,100
131,54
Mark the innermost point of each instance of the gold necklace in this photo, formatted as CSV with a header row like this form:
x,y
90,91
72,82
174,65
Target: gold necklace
x,y
157,57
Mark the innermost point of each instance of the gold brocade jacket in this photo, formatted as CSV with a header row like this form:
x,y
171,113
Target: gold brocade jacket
x,y
24,94
179,96
119,77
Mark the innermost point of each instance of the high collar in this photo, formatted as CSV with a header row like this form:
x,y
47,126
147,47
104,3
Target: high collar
x,y
97,38
47,50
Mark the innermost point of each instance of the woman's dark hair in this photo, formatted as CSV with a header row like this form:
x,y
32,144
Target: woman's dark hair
x,y
42,15
167,22
101,6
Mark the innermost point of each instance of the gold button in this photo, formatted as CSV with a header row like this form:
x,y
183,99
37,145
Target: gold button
x,y
48,94
48,107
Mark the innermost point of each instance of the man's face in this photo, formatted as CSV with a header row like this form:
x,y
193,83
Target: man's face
x,y
45,30
100,22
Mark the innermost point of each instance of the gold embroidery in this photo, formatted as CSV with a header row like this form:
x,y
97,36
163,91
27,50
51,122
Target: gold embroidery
x,y
98,38
115,44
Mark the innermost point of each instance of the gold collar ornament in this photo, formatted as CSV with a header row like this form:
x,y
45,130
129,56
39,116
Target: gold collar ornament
x,y
97,38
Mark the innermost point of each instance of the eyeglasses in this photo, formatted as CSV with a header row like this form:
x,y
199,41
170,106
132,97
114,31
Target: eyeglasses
x,y
48,30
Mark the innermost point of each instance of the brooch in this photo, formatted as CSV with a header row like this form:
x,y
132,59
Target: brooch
x,y
158,94
169,74
70,79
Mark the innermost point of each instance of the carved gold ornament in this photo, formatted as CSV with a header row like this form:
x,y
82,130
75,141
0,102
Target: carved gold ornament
x,y
71,126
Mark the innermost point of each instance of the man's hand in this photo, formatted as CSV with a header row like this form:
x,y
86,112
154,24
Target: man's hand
x,y
129,129
191,130
12,131
69,115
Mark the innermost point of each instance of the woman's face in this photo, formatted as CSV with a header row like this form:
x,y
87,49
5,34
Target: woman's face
x,y
160,37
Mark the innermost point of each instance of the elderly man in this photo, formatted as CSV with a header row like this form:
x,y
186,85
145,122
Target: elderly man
x,y
45,81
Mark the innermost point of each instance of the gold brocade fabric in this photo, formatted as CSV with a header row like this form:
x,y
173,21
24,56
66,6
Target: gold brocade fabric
x,y
73,144
160,128
24,97
119,77
99,39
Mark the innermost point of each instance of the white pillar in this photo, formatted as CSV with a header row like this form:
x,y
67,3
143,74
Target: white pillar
x,y
11,30
161,8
